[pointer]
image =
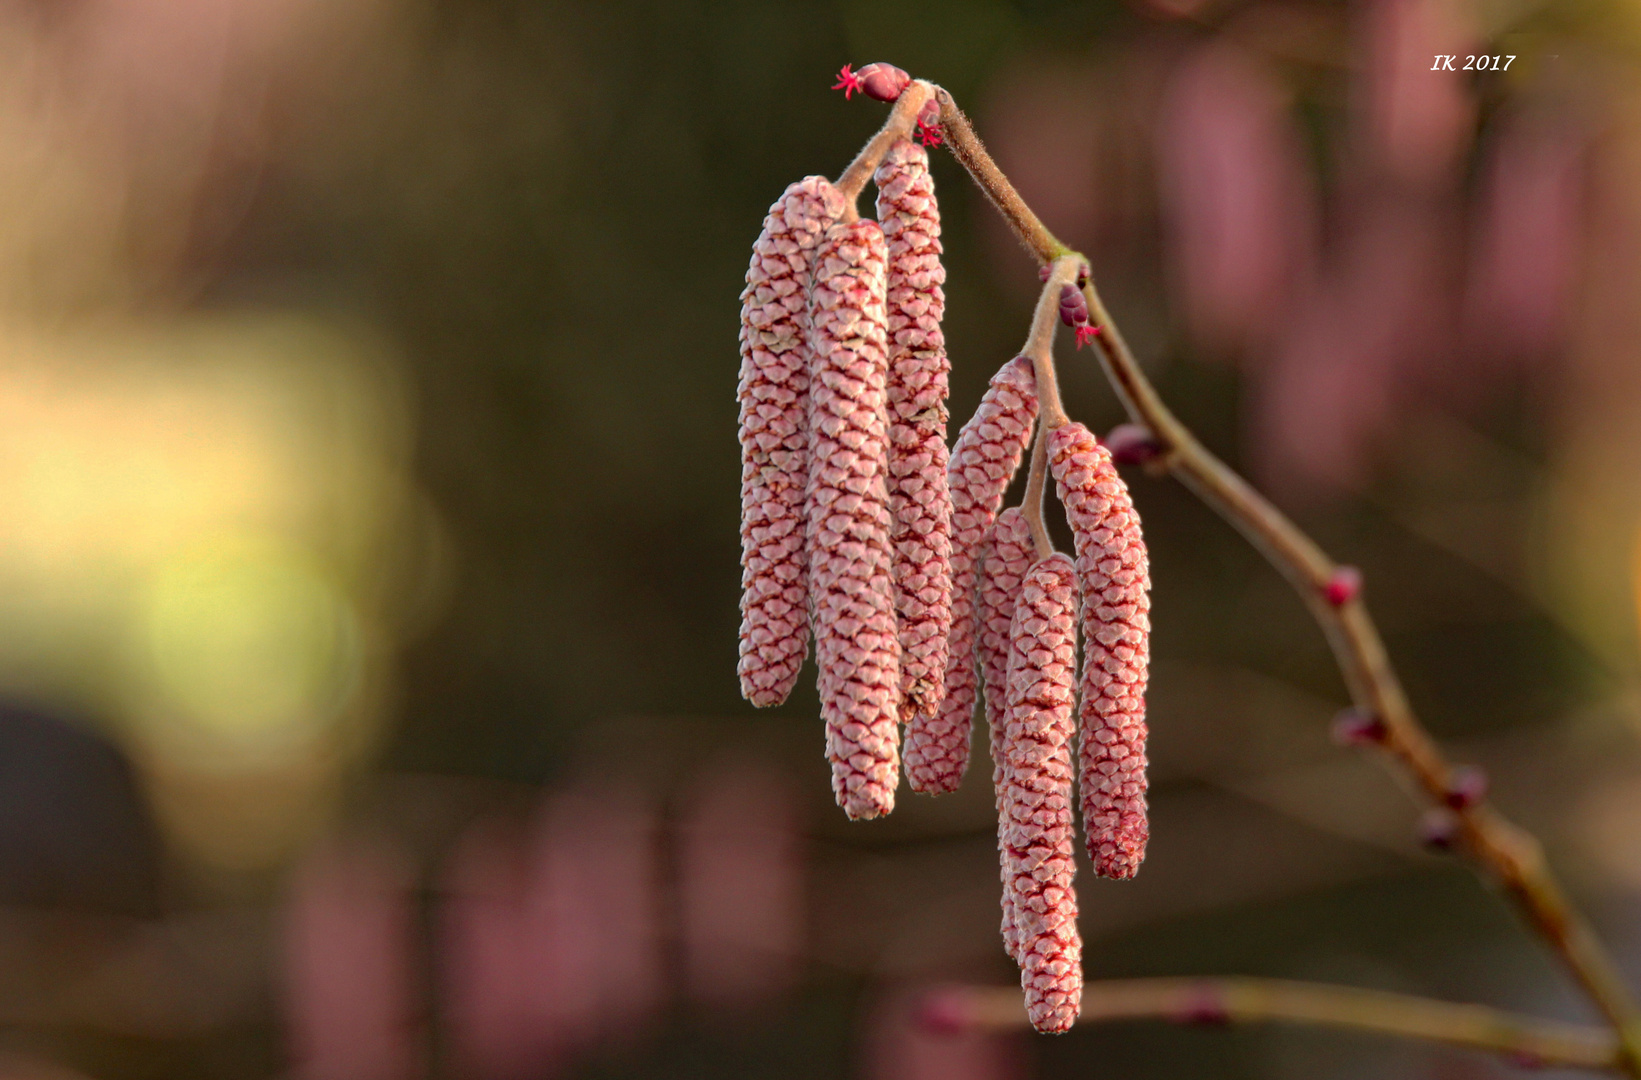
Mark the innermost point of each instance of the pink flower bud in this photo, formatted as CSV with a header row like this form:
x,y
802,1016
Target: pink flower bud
x,y
1037,831
885,82
1439,829
857,646
1344,586
1356,728
1073,306
919,499
774,433
1131,444
1466,786
983,461
1114,571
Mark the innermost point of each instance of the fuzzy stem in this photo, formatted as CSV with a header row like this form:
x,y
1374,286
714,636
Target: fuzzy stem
x,y
967,148
1040,351
899,125
1508,853
1248,1000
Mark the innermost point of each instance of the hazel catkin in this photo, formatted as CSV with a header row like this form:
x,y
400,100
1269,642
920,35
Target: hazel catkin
x,y
1115,579
1037,831
856,644
774,435
919,500
983,461
1005,556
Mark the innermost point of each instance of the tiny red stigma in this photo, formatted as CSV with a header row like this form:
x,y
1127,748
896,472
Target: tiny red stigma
x,y
1085,334
848,82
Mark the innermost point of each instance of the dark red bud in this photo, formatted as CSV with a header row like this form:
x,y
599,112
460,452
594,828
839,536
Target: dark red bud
x,y
1344,585
1353,727
930,114
1205,1006
1466,786
1131,444
1438,829
1073,308
944,1012
1082,274
883,81
1043,272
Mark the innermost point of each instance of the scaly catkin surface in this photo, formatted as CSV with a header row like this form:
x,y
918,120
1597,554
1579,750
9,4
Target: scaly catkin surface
x,y
774,433
1115,577
918,496
984,460
1006,556
850,577
1038,833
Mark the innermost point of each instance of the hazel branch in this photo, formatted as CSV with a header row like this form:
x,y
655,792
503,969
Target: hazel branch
x,y
902,119
1039,350
1510,855
1525,1040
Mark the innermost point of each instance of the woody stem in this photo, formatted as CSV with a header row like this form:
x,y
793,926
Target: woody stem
x,y
1040,351
1502,850
1248,1000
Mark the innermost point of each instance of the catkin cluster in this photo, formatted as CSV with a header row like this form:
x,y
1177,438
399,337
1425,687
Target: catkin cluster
x,y
923,594
846,514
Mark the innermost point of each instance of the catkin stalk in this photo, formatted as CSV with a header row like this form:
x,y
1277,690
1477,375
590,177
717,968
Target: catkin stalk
x,y
774,434
856,644
1115,576
983,461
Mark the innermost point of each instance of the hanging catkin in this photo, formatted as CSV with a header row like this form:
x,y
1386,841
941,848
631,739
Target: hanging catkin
x,y
918,496
984,460
1038,832
774,431
850,577
1112,566
1005,556
1008,556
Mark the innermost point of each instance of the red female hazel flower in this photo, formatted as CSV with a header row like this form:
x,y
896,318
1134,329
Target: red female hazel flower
x,y
1037,831
919,500
1113,569
983,461
850,576
1006,556
773,393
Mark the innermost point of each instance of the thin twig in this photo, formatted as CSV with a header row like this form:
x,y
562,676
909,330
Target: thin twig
x,y
1247,1000
899,126
1508,853
1040,351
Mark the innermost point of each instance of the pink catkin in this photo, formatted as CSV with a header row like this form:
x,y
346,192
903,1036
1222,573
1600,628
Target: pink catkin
x,y
1007,555
1038,832
984,460
1114,570
774,433
918,495
850,576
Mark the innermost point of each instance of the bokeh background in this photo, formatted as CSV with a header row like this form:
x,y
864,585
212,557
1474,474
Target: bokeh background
x,y
368,546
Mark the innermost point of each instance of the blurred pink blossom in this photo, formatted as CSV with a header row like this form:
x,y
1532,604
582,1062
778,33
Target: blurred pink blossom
x,y
351,998
902,1044
740,887
1237,202
1418,121
555,945
485,974
1526,238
